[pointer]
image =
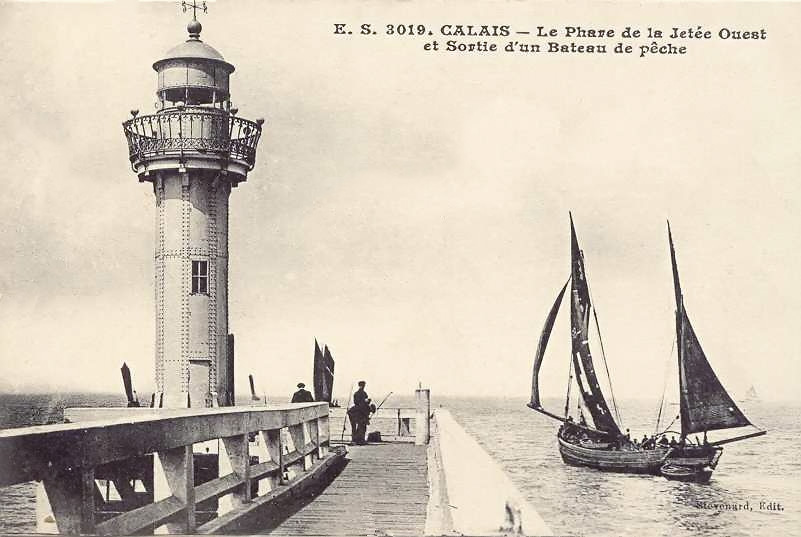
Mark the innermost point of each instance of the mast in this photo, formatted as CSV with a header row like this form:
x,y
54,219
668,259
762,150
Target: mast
x,y
592,395
679,326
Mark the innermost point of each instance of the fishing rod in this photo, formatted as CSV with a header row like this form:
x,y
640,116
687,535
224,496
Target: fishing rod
x,y
382,402
345,420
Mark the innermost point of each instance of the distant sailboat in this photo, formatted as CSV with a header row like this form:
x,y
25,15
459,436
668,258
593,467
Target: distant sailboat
x,y
598,442
323,374
750,396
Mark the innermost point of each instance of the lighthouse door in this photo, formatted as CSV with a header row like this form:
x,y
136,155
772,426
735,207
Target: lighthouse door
x,y
199,395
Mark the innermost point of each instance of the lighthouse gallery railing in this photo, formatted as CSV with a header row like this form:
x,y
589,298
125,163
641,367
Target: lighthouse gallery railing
x,y
202,130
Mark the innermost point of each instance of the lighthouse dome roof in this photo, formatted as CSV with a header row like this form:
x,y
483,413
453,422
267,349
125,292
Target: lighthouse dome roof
x,y
193,49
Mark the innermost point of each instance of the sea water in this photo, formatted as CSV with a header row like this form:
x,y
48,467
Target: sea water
x,y
760,473
755,490
18,502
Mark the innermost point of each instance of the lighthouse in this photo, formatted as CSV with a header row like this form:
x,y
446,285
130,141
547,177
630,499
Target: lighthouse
x,y
192,151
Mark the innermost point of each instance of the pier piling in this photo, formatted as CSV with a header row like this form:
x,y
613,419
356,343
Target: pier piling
x,y
423,417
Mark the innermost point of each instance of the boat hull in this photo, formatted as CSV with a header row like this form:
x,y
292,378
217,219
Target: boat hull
x,y
690,465
694,474
622,461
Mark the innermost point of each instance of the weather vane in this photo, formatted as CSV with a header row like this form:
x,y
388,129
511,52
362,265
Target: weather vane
x,y
194,7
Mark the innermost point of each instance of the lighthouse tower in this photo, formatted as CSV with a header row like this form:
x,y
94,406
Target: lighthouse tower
x,y
193,150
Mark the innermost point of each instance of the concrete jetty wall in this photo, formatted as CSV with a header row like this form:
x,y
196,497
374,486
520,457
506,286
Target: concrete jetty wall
x,y
469,492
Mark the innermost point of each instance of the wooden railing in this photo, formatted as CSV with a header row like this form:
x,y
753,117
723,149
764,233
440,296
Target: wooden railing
x,y
149,455
394,423
404,418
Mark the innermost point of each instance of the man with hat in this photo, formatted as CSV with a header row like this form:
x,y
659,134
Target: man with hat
x,y
359,414
302,395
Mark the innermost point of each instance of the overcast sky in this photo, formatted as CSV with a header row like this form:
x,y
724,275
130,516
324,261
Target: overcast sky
x,y
410,209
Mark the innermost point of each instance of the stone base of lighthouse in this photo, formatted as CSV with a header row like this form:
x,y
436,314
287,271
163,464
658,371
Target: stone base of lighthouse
x,y
191,280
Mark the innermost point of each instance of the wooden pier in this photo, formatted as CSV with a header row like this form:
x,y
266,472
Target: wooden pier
x,y
382,490
275,470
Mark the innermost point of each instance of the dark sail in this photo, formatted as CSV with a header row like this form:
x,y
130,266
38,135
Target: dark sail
x,y
705,404
323,374
317,376
541,345
580,334
328,375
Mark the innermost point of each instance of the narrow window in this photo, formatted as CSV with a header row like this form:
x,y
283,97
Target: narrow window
x,y
200,277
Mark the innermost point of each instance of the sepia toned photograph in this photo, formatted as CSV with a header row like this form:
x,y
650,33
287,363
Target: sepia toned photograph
x,y
400,268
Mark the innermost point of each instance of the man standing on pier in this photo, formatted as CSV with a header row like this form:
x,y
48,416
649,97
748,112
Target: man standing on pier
x,y
302,395
359,414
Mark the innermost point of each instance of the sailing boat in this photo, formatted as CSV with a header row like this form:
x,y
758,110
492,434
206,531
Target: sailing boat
x,y
597,442
323,373
750,396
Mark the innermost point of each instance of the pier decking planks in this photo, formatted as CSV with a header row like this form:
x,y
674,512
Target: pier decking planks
x,y
383,490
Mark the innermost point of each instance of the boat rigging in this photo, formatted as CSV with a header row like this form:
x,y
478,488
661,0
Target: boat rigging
x,y
704,403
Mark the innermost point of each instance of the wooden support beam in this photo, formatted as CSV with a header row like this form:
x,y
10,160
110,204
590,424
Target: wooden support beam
x,y
314,438
263,469
129,497
275,450
142,518
216,487
71,494
178,465
237,461
299,438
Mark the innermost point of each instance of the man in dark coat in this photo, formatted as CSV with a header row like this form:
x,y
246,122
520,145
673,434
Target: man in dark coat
x,y
302,395
359,414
